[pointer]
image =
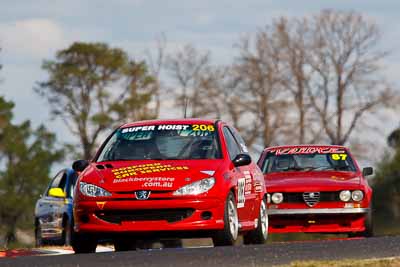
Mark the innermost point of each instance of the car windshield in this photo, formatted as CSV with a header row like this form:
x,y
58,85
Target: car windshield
x,y
157,142
339,160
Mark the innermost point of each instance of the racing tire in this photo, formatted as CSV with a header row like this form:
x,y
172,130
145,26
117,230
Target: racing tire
x,y
124,244
83,243
66,238
38,236
260,234
369,227
369,224
229,235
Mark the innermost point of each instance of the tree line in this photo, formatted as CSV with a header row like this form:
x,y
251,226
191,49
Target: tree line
x,y
295,80
301,80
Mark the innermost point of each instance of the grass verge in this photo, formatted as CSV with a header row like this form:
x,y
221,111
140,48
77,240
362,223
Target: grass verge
x,y
389,262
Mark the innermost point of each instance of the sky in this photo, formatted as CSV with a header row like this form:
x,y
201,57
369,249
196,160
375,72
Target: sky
x,y
33,30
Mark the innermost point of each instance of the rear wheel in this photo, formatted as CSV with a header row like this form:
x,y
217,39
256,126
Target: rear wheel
x,y
260,234
228,236
84,243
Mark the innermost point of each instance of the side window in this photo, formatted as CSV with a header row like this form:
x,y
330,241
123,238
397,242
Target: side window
x,y
73,178
63,182
265,165
55,182
58,181
240,140
233,147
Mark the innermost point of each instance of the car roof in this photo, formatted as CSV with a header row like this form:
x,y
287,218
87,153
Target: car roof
x,y
306,145
169,121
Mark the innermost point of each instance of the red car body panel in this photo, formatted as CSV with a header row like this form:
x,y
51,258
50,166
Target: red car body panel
x,y
330,216
162,178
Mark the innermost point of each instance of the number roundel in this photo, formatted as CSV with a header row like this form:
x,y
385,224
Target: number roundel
x,y
203,127
339,156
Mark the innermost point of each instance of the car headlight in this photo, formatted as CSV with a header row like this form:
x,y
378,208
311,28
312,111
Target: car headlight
x,y
357,195
196,188
345,195
277,198
92,190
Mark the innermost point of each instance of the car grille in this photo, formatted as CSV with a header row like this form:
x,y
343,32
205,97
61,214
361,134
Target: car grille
x,y
169,215
311,198
299,198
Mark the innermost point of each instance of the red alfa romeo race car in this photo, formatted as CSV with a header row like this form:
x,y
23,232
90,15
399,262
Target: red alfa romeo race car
x,y
316,189
169,179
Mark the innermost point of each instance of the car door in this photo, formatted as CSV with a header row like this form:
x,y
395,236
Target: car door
x,y
52,207
241,176
252,181
72,178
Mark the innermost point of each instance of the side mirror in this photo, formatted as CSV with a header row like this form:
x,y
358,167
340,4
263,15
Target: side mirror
x,y
367,171
57,192
80,165
241,160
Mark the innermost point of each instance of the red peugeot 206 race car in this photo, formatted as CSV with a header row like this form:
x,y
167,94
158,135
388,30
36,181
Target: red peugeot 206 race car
x,y
316,189
169,179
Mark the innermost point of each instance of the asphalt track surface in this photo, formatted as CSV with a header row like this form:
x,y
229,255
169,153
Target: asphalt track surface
x,y
261,255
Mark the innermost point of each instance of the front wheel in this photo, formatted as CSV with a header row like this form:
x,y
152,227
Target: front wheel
x,y
228,236
38,235
369,229
67,234
260,234
84,243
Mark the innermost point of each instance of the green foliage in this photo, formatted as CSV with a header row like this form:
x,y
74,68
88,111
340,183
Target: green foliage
x,y
26,156
94,88
389,262
386,198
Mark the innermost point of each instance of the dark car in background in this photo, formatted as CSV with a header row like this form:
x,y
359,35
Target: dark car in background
x,y
54,210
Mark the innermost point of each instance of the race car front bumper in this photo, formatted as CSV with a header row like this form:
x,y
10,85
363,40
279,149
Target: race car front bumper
x,y
313,220
133,216
317,211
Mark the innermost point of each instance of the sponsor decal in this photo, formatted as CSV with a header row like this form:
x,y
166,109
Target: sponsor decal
x,y
348,205
161,182
258,187
101,204
338,178
131,171
169,127
155,127
248,184
240,194
307,150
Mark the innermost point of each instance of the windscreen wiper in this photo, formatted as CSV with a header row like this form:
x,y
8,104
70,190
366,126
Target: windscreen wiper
x,y
312,168
293,169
